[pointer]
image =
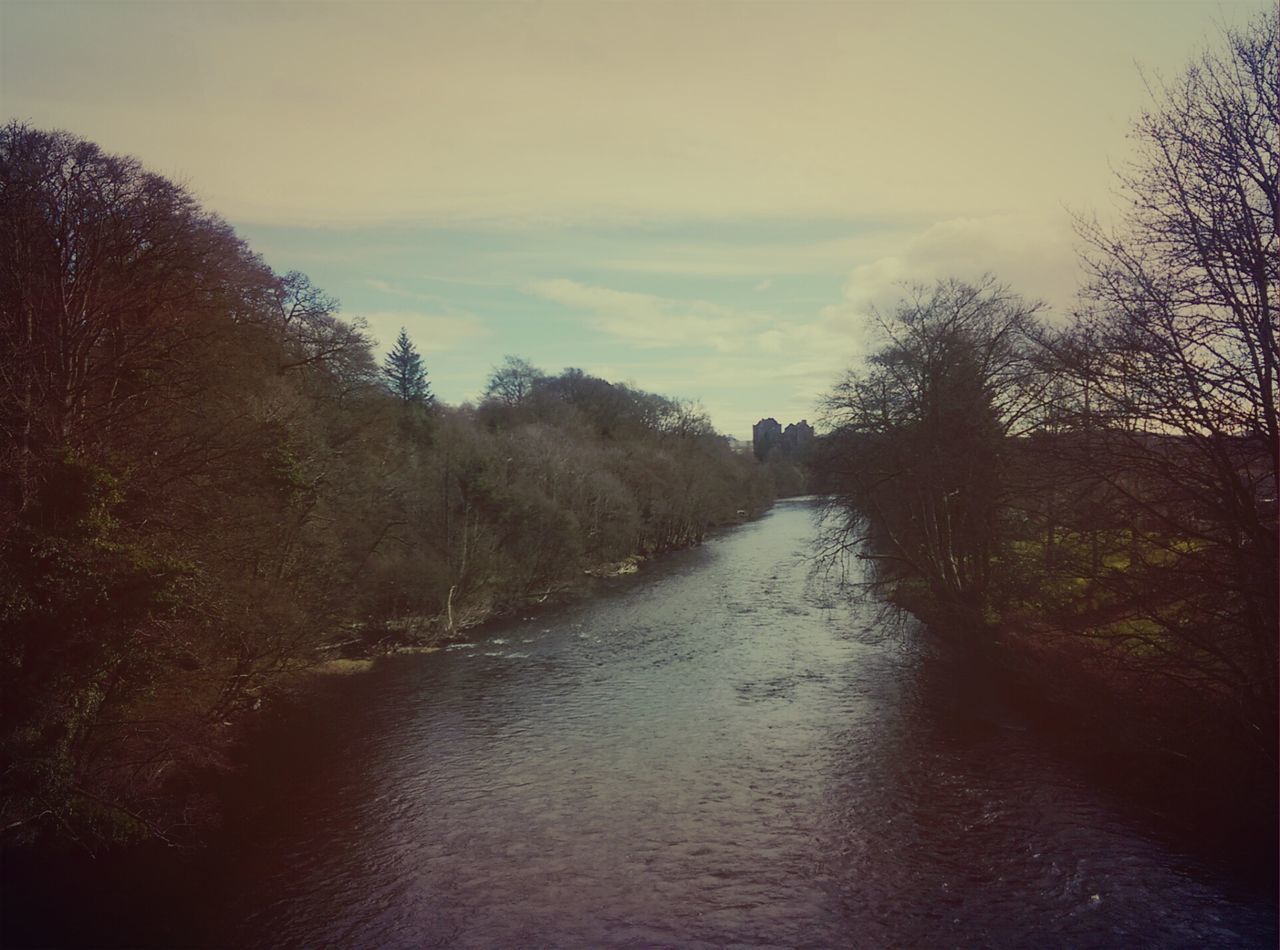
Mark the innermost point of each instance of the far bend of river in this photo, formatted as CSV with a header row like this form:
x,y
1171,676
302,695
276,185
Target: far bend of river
x,y
717,752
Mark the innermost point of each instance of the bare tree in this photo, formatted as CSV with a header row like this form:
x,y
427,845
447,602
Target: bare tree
x,y
1176,363
921,436
105,272
512,383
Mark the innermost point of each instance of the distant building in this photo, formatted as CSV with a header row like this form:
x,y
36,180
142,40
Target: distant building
x,y
797,438
768,435
765,434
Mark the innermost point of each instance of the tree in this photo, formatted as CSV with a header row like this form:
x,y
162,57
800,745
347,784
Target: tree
x,y
180,429
920,437
131,336
1176,365
107,273
205,481
404,375
512,383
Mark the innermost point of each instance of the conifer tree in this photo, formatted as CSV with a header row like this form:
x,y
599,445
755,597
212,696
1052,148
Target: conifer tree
x,y
404,375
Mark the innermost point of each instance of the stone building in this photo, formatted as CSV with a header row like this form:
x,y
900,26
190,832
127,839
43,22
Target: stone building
x,y
793,442
797,438
765,434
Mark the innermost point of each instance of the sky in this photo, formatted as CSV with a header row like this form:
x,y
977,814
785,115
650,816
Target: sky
x,y
704,200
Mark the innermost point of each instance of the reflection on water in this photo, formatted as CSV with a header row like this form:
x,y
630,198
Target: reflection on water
x,y
718,752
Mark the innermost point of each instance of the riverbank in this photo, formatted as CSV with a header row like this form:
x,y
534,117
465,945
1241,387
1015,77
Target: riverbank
x,y
1171,752
719,750
426,634
196,849
1198,769
431,633
348,656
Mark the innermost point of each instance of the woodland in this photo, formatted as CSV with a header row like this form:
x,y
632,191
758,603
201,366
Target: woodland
x,y
1092,503
209,483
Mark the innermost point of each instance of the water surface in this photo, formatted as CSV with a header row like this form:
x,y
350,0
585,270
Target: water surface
x,y
722,751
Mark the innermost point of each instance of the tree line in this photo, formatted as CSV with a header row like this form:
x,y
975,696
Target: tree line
x,y
206,479
1103,490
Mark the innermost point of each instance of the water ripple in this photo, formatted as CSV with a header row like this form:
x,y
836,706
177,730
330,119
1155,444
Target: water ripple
x,y
722,752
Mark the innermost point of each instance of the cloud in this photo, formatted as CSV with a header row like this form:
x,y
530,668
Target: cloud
x,y
466,281
647,320
1034,254
410,111
738,391
392,290
757,259
430,332
742,364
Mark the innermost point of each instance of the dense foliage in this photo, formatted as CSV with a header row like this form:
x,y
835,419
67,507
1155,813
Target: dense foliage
x,y
1111,485
205,478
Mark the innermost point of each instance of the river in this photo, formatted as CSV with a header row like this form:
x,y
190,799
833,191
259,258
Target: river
x,y
721,751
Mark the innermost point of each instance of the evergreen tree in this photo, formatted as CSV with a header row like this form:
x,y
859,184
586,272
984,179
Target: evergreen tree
x,y
404,375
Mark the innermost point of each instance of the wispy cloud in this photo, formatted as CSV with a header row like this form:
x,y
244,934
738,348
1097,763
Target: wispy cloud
x,y
738,391
761,259
647,320
450,111
1034,254
722,198
466,281
742,364
394,290
430,332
